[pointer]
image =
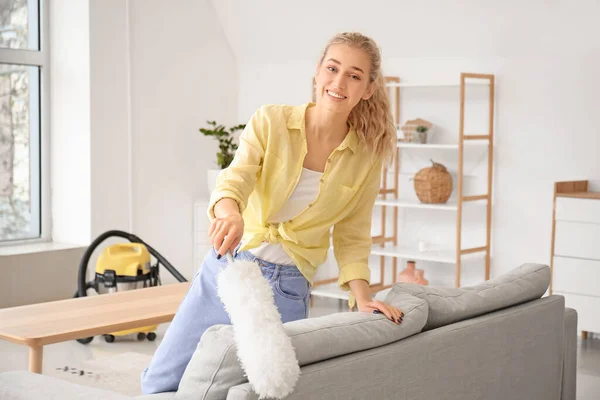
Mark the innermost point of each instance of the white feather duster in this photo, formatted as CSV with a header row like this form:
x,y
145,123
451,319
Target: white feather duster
x,y
264,349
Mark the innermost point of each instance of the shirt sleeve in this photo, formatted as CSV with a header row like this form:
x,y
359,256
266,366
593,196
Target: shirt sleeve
x,y
352,239
238,180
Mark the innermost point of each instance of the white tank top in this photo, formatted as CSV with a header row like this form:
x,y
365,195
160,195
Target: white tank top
x,y
305,193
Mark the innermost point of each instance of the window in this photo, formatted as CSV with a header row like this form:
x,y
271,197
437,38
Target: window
x,y
23,86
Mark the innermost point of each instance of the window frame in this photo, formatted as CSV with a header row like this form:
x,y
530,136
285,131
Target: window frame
x,y
38,58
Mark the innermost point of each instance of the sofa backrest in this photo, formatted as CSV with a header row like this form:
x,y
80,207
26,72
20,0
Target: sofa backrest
x,y
449,305
514,353
214,367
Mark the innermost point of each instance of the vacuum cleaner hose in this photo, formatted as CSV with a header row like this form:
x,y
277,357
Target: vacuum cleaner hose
x,y
82,285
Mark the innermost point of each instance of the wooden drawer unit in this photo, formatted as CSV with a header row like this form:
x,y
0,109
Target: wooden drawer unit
x,y
573,275
575,254
577,239
578,209
588,310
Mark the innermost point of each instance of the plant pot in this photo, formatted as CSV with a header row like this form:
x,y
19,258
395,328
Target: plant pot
x,y
211,179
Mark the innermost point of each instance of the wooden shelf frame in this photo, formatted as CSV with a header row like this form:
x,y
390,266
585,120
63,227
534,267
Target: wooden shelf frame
x,y
461,199
394,84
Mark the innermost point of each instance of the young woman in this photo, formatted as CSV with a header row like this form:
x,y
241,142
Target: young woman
x,y
299,171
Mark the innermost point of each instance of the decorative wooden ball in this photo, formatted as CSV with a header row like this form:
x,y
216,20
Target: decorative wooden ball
x,y
433,185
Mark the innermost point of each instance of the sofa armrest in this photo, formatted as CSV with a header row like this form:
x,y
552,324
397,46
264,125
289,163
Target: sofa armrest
x,y
569,370
23,385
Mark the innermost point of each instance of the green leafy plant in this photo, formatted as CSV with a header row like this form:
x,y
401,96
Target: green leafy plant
x,y
225,137
421,129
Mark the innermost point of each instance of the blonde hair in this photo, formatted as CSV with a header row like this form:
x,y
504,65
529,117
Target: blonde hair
x,y
372,119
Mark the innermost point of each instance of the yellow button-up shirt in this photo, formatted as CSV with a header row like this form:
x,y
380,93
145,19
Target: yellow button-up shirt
x,y
265,171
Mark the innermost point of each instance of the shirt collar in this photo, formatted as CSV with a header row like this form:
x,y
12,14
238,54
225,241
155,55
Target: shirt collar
x,y
296,121
350,141
296,118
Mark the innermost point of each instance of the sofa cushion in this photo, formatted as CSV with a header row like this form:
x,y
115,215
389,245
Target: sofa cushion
x,y
449,305
23,385
214,367
318,339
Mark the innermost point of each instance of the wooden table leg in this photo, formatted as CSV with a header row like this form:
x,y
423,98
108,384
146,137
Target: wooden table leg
x,y
36,354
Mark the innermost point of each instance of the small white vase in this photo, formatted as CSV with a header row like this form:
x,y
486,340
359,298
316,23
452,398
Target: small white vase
x,y
211,179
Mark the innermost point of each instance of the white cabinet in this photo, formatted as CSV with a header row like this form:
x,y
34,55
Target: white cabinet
x,y
201,241
577,275
575,257
577,239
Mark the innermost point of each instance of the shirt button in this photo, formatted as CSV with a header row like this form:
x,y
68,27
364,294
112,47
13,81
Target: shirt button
x,y
310,205
321,180
328,160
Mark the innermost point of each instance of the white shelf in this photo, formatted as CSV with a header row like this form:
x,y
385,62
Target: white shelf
x,y
447,256
472,81
443,256
468,143
331,290
450,205
409,203
412,174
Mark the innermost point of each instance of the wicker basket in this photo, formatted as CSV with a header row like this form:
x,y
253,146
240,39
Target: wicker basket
x,y
433,185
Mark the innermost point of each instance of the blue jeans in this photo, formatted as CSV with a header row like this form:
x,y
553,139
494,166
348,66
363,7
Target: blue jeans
x,y
201,308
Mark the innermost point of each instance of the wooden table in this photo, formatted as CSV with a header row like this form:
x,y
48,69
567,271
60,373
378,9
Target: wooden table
x,y
39,324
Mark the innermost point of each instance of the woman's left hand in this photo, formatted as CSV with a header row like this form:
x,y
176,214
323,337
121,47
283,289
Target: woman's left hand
x,y
394,314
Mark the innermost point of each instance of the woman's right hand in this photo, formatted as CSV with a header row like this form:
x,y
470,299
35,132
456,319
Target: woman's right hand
x,y
226,232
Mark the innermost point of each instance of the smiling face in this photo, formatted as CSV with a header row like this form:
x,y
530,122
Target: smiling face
x,y
342,78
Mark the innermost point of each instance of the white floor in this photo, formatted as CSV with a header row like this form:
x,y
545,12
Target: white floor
x,y
61,357
588,368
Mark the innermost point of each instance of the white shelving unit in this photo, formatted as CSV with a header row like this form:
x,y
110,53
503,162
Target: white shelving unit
x,y
389,247
452,254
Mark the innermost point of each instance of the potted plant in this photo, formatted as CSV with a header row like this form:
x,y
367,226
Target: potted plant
x,y
226,151
422,132
416,131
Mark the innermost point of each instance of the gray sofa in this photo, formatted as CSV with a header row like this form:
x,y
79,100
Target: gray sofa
x,y
497,340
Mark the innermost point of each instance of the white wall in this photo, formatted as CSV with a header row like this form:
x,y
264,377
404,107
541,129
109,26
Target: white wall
x,y
133,81
268,32
544,55
70,121
159,72
183,73
110,148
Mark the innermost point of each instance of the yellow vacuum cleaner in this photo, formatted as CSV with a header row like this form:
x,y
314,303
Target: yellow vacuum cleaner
x,y
121,267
